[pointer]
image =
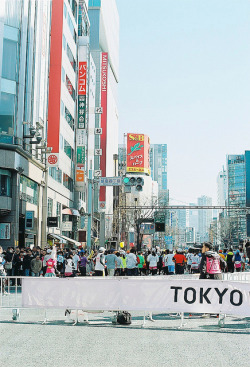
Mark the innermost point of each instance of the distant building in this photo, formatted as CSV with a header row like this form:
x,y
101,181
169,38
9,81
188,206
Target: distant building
x,y
204,218
190,235
222,188
236,169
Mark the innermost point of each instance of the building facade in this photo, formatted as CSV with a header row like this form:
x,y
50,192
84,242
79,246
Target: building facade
x,y
24,70
236,170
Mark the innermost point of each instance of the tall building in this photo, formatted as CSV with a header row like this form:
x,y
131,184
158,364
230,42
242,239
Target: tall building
x,y
24,70
222,188
193,219
104,48
236,169
158,167
204,218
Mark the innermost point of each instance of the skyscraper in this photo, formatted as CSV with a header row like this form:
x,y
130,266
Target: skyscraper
x,y
204,217
104,48
158,166
236,169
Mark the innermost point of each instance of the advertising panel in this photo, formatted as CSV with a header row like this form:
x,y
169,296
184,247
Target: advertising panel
x,y
104,88
138,146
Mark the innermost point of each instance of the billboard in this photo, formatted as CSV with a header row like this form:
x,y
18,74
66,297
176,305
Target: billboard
x,y
103,139
138,146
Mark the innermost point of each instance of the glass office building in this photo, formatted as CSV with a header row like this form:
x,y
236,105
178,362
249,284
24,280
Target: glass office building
x,y
236,168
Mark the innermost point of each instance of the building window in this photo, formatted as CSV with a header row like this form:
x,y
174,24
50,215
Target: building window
x,y
56,174
69,118
28,190
50,207
10,64
68,150
5,183
68,182
70,88
71,58
7,113
71,28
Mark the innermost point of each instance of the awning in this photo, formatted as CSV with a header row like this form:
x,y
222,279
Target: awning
x,y
76,243
57,237
69,211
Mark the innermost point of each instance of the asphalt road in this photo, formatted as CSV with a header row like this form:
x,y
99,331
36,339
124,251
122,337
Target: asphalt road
x,y
28,343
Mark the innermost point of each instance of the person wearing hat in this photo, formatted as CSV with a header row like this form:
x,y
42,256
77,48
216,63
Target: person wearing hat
x,y
100,263
180,260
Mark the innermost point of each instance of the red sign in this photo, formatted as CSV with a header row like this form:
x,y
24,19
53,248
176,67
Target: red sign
x,y
104,88
53,134
52,160
138,153
82,78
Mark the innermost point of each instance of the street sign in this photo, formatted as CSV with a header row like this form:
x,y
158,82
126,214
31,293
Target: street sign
x,y
52,221
147,228
110,181
29,219
159,217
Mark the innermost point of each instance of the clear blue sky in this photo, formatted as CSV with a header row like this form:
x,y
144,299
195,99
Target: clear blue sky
x,y
185,81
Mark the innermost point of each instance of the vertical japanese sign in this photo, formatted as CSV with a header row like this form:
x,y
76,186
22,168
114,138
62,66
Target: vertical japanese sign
x,y
81,124
138,153
103,145
82,89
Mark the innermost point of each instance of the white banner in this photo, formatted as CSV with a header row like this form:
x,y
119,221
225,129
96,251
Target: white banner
x,y
152,294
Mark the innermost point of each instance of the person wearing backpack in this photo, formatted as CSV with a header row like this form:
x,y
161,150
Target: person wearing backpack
x,y
230,261
210,265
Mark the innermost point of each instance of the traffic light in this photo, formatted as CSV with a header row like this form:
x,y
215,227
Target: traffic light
x,y
159,227
138,182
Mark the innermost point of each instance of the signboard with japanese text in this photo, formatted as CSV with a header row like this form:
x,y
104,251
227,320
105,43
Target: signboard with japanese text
x,y
104,106
80,156
82,78
138,146
66,226
110,181
81,112
79,175
81,138
4,231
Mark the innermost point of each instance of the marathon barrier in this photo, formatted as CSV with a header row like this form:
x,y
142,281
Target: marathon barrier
x,y
137,294
176,293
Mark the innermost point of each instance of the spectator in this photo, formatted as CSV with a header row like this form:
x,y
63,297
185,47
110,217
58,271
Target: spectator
x,y
26,263
76,260
60,262
83,261
210,266
131,263
100,263
36,266
111,262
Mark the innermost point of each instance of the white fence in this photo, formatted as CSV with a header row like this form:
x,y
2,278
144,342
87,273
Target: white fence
x,y
179,294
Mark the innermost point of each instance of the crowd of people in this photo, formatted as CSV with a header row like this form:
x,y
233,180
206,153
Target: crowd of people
x,y
50,262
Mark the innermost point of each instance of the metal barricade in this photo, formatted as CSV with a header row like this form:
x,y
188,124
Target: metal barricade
x,y
10,291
